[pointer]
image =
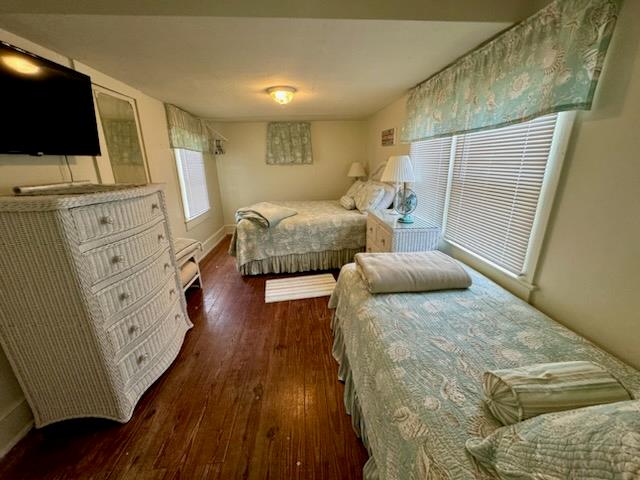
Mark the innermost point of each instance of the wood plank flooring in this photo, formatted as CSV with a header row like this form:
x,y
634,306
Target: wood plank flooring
x,y
253,394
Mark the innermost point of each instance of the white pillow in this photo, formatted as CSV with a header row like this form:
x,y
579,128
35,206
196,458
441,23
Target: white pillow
x,y
369,197
354,189
387,198
347,202
376,174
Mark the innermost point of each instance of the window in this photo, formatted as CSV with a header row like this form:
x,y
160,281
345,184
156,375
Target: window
x,y
193,183
431,159
495,179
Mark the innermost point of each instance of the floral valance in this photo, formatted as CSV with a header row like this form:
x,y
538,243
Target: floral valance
x,y
186,131
548,63
289,143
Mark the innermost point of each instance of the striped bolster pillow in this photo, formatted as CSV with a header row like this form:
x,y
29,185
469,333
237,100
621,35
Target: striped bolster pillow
x,y
513,395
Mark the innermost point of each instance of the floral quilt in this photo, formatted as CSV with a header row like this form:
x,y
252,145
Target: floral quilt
x,y
416,360
319,226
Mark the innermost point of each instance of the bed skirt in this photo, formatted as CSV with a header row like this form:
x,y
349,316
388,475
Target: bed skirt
x,y
351,403
300,262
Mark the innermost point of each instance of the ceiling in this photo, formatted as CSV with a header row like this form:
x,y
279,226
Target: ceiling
x,y
219,67
434,10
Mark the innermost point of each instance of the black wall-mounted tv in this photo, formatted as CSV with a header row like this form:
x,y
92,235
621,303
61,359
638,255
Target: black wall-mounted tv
x,y
45,108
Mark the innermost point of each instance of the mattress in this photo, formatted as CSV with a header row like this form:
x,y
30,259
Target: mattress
x,y
319,227
413,364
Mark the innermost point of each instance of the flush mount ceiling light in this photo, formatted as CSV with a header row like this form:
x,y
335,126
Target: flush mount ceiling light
x,y
20,64
281,94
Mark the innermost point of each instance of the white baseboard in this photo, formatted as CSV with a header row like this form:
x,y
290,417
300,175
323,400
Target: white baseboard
x,y
16,422
228,229
213,241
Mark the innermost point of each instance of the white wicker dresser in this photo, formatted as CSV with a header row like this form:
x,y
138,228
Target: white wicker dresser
x,y
91,307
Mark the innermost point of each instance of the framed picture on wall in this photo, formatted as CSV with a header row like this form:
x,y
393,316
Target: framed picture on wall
x,y
388,137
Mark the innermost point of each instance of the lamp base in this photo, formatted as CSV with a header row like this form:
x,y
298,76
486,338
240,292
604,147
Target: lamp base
x,y
406,219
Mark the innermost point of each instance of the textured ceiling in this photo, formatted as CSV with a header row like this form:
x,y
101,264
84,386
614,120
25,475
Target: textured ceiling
x,y
219,67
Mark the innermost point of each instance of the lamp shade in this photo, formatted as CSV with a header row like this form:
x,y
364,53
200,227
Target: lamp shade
x,y
399,169
356,170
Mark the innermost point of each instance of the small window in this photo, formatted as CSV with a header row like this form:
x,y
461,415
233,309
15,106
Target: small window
x,y
193,183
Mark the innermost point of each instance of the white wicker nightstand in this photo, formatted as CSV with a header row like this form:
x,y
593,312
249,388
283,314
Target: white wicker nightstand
x,y
386,234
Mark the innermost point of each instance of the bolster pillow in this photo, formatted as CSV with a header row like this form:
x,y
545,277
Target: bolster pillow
x,y
513,395
411,272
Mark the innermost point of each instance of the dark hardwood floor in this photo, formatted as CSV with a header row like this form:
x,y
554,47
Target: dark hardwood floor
x,y
253,394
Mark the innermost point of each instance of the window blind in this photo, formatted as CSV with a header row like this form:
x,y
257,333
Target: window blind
x,y
193,182
496,182
431,160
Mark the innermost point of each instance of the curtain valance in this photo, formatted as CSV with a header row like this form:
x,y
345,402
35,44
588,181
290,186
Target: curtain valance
x,y
548,63
289,143
186,131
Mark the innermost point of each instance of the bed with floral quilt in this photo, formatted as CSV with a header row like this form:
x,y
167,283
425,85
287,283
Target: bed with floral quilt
x,y
412,366
322,235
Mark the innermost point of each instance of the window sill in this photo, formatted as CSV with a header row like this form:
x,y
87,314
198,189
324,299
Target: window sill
x,y
517,285
195,221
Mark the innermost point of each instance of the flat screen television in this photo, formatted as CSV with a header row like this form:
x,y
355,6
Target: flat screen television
x,y
45,108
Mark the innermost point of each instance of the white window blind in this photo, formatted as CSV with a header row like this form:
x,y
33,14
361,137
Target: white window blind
x,y
193,182
431,160
495,186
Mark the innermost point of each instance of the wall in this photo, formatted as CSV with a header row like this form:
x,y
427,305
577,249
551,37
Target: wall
x,y
588,274
245,178
15,415
392,116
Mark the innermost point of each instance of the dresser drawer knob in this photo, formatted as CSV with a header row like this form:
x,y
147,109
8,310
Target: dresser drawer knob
x,y
166,266
123,296
160,237
117,259
143,357
154,206
106,220
178,316
383,241
133,329
172,292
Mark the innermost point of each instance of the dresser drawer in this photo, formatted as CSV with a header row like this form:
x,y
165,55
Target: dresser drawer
x,y
103,262
101,220
142,357
129,329
162,361
116,298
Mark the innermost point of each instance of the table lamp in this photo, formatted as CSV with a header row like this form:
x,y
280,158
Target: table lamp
x,y
400,170
356,170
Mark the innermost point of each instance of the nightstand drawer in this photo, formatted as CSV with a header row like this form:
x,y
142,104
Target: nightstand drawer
x,y
384,243
371,234
371,231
